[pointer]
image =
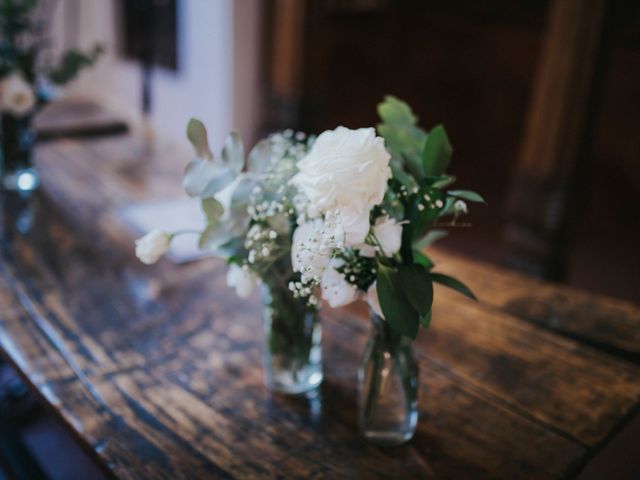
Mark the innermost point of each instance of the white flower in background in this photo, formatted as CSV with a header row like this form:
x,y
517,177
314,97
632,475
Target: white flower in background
x,y
459,207
388,232
16,95
242,280
346,170
335,289
372,299
310,250
152,246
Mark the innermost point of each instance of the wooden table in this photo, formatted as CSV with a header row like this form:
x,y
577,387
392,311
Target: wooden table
x,y
157,370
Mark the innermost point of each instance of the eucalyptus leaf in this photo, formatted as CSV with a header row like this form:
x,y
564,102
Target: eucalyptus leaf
x,y
197,135
197,175
417,287
212,209
466,195
213,237
259,157
240,199
437,152
222,178
233,152
430,238
397,309
453,283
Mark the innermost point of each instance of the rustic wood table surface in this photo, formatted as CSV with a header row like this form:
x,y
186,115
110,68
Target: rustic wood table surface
x,y
157,370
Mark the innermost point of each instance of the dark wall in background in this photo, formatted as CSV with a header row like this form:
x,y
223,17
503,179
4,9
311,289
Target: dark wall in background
x,y
471,65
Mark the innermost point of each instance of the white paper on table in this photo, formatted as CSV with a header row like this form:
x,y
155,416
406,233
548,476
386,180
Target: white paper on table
x,y
170,215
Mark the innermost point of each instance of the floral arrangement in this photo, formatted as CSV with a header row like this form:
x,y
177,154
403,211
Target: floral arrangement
x,y
24,77
348,213
374,204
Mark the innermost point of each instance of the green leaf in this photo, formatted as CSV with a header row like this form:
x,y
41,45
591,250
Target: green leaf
x,y
403,139
417,287
425,320
453,283
422,259
400,175
396,308
197,135
424,212
441,181
466,195
437,152
233,152
430,238
212,209
394,111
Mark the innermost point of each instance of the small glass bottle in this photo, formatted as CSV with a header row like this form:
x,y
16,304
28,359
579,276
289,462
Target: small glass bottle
x,y
387,387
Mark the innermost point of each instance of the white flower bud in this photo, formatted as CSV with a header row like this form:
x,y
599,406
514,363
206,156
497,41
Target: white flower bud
x,y
460,206
152,246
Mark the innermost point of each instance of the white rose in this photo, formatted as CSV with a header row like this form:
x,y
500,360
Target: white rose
x,y
242,280
152,246
16,95
346,170
335,289
310,250
372,300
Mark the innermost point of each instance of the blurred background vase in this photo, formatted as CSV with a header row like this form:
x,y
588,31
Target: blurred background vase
x,y
292,350
16,166
387,387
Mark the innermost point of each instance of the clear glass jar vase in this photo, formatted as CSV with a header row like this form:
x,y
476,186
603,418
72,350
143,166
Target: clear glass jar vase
x,y
293,349
387,387
17,140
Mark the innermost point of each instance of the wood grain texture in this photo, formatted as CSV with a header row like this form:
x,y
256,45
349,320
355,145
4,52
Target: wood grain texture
x,y
157,370
606,323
